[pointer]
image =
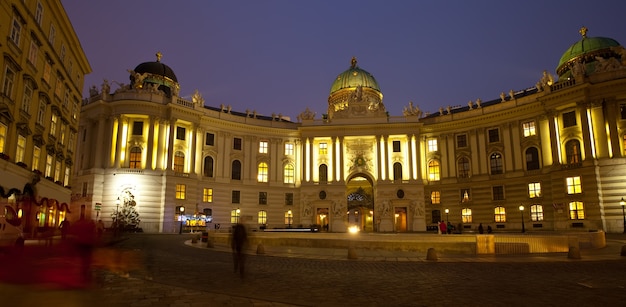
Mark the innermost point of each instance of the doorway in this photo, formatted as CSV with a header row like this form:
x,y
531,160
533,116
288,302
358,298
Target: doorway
x,y
400,219
322,218
359,194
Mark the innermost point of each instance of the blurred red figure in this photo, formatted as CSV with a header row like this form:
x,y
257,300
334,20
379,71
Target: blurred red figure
x,y
84,236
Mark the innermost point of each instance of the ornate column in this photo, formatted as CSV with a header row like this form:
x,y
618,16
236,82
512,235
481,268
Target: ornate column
x,y
169,162
98,163
150,144
118,141
160,164
586,130
193,153
555,143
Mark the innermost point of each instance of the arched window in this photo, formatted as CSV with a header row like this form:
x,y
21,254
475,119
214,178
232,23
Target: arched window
x,y
236,170
572,152
463,167
434,170
179,162
397,171
289,174
323,173
262,172
536,213
532,158
499,214
466,215
495,161
135,157
208,166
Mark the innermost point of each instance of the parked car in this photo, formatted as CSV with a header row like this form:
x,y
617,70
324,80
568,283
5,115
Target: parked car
x,y
11,233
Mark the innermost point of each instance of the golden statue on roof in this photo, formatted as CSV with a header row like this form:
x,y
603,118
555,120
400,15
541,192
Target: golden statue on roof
x,y
583,31
159,55
353,62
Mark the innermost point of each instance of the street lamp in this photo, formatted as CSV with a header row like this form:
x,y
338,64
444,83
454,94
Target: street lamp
x,y
447,219
521,210
623,204
182,211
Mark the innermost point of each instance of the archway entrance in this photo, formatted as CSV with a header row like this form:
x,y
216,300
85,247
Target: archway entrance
x,y
360,197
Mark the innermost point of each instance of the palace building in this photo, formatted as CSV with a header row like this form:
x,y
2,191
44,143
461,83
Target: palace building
x,y
550,157
41,81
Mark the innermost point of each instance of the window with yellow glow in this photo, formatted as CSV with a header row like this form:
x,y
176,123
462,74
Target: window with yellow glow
x,y
262,172
536,213
181,191
323,148
49,161
289,174
57,170
432,145
529,128
262,219
288,218
36,157
135,157
3,136
572,152
433,170
499,214
179,162
435,197
534,189
234,216
263,147
288,149
466,215
66,177
207,195
576,210
21,148
53,124
574,185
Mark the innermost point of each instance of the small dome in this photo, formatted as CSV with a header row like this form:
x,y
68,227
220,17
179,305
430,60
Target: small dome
x,y
585,50
156,68
155,74
354,77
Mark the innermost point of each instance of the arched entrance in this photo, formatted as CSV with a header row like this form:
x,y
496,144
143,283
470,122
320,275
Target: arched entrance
x,y
360,198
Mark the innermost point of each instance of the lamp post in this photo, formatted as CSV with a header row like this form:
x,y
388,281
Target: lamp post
x,y
182,211
447,219
521,210
623,204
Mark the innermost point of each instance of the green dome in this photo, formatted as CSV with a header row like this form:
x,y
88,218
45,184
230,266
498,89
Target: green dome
x,y
354,77
586,47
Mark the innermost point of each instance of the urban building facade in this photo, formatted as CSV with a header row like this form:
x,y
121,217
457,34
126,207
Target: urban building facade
x,y
43,68
546,158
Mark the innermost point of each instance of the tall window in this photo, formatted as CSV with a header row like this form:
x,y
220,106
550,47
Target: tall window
x,y
262,172
235,197
262,218
28,95
39,13
576,210
33,52
47,71
461,141
432,145
41,112
207,195
288,149
66,177
181,191
263,147
9,80
534,189
466,215
397,171
435,216
532,158
574,185
21,148
181,133
57,170
289,174
499,215
323,149
572,152
569,119
36,157
463,167
235,214
396,146
494,135
3,136
433,170
208,166
53,124
16,32
52,34
323,169
138,128
529,128
135,157
262,198
48,170
495,161
209,139
236,170
498,192
237,143
62,132
179,162
536,213
435,197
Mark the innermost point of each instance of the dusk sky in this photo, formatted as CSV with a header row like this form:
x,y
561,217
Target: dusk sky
x,y
281,56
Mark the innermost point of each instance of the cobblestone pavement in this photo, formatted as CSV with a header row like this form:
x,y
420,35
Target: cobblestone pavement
x,y
179,274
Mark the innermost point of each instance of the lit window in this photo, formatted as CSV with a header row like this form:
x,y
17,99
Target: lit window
x,y
135,157
463,167
53,124
495,161
288,149
289,175
234,216
3,136
179,162
36,157
536,213
57,171
62,132
323,148
207,195
433,170
21,148
466,215
534,189
576,210
499,215
574,185
66,178
435,197
263,147
529,128
432,145
48,170
33,52
181,191
288,218
262,220
572,152
262,174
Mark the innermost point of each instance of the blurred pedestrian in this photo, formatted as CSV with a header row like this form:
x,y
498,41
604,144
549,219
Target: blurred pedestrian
x,y
489,230
449,227
239,241
83,234
443,228
65,228
480,228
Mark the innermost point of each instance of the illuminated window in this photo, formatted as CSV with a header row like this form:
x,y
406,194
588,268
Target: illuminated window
x,y
236,170
532,158
397,171
235,197
57,170
323,173
529,128
497,192
289,174
3,136
262,198
494,135
181,191
234,216
536,213
62,132
66,177
495,161
463,167
534,189
624,143
36,157
461,141
21,148
574,185
432,145
262,172
466,215
576,210
433,170
179,162
288,218
262,219
263,147
53,124
323,148
288,149
499,214
465,194
48,170
207,195
396,146
572,152
135,157
569,119
435,197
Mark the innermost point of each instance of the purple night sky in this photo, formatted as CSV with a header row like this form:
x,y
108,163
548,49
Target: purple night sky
x,y
281,56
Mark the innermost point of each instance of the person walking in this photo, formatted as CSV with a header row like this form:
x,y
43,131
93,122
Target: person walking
x,y
65,229
480,228
443,228
239,241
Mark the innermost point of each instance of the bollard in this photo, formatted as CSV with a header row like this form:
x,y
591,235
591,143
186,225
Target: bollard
x,y
574,253
352,253
431,254
209,243
623,253
260,250
194,240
